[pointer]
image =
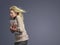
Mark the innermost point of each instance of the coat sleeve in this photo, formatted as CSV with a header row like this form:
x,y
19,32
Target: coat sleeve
x,y
20,24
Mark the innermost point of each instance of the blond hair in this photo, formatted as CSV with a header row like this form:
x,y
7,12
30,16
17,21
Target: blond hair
x,y
18,10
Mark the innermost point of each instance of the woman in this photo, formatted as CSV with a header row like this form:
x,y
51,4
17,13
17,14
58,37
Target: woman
x,y
17,26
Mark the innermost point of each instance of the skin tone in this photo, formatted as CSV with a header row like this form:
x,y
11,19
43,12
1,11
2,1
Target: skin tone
x,y
12,15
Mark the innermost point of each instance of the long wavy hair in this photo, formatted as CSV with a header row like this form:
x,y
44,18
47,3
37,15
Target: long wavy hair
x,y
18,10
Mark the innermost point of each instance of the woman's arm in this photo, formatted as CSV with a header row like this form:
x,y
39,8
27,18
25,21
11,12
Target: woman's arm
x,y
20,24
12,29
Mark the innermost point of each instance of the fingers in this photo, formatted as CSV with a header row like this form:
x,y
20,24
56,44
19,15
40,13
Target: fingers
x,y
13,29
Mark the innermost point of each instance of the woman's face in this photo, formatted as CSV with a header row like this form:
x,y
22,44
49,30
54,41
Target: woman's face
x,y
12,14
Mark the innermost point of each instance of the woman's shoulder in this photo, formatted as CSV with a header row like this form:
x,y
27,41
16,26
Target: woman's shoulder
x,y
18,17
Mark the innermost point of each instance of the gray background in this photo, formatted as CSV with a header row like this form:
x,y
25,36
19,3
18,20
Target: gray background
x,y
42,21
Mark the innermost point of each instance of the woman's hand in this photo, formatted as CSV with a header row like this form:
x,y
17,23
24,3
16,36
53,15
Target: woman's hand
x,y
13,28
